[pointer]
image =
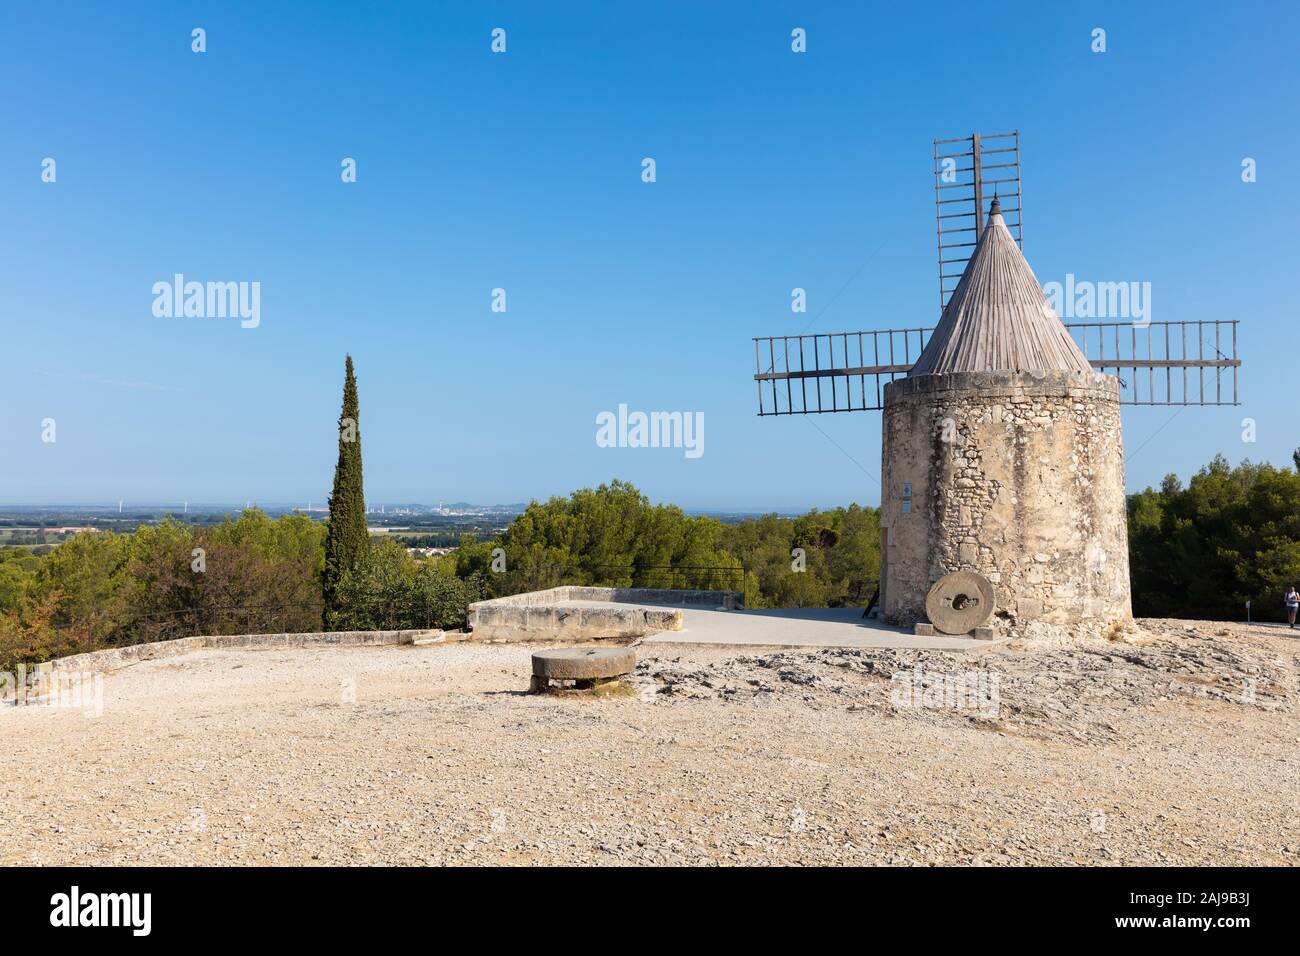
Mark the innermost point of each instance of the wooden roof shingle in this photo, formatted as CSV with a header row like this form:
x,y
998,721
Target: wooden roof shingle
x,y
998,318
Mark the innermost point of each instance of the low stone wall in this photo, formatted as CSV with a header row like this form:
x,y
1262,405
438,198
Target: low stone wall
x,y
549,615
113,657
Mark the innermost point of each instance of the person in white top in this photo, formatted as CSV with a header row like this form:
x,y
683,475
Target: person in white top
x,y
1292,605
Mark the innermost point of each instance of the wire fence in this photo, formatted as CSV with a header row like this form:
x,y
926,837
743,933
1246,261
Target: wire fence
x,y
206,619
673,577
402,610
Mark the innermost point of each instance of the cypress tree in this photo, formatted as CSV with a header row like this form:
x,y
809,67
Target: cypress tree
x,y
347,543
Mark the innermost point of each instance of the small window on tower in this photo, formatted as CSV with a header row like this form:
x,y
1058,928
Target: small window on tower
x,y
907,498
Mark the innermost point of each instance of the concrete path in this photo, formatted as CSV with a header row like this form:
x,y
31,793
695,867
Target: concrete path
x,y
794,627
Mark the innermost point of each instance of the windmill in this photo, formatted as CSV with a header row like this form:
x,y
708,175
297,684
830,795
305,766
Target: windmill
x,y
1002,498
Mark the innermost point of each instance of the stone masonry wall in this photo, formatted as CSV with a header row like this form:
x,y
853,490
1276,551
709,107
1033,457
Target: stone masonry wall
x,y
1018,476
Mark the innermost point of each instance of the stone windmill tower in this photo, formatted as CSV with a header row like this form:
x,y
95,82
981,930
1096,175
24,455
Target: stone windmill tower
x,y
1003,450
1002,485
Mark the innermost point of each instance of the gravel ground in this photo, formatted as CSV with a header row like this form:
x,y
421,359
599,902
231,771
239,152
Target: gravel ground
x,y
1179,745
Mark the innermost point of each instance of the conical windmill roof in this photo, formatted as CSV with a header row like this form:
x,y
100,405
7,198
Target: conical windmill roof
x,y
998,318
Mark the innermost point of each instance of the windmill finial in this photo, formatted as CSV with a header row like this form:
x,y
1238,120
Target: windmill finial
x,y
995,208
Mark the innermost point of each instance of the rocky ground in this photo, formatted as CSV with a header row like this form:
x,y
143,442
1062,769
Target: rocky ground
x,y
1176,744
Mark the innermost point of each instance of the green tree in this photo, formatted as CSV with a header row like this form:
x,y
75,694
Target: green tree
x,y
247,576
608,536
391,591
18,570
839,566
155,587
1231,536
86,572
347,542
29,636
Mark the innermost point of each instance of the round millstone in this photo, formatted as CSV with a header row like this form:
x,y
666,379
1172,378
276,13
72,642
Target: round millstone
x,y
583,663
959,602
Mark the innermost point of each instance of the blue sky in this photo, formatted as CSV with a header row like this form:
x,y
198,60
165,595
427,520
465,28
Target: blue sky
x,y
522,171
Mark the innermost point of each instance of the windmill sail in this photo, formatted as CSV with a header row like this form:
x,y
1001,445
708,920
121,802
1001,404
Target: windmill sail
x,y
967,171
995,316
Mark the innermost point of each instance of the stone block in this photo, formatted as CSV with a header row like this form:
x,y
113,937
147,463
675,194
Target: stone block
x,y
564,619
1029,609
543,618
